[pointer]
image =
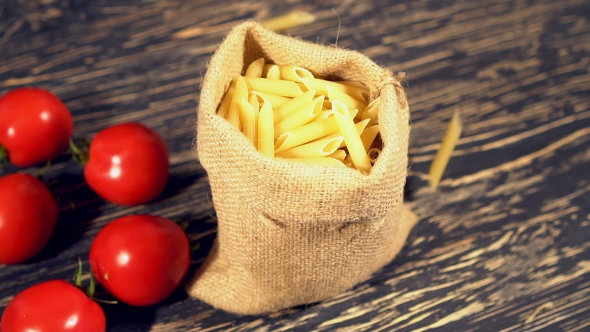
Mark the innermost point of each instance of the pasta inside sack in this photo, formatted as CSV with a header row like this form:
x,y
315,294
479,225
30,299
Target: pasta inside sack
x,y
289,114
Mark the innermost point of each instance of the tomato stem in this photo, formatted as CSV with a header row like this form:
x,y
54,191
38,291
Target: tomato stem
x,y
43,170
183,225
196,247
91,287
104,301
3,154
78,275
78,154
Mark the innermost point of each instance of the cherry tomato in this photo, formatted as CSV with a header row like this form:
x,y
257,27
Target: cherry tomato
x,y
50,306
128,164
35,126
140,259
28,213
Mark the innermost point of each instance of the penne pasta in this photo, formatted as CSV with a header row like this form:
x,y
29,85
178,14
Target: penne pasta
x,y
319,148
292,105
342,97
226,102
374,154
274,100
295,73
265,137
254,100
300,117
338,154
277,87
368,136
306,133
273,73
372,111
288,113
326,113
443,155
289,20
255,68
241,92
360,126
321,87
249,118
351,137
321,161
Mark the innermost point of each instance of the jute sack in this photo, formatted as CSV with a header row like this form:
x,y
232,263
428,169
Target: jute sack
x,y
290,233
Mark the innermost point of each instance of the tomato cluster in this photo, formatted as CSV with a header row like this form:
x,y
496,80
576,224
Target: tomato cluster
x,y
126,164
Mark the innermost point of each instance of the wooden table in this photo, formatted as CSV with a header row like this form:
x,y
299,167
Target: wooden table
x,y
502,245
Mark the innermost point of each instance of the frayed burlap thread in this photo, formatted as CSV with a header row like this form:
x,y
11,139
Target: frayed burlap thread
x,y
290,233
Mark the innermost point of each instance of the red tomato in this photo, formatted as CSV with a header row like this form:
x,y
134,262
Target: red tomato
x,y
140,259
28,213
128,164
50,306
35,126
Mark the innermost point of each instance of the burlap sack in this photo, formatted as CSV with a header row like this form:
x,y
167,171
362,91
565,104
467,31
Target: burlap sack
x,y
292,234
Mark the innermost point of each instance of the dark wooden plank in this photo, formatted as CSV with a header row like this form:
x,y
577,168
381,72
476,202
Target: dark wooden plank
x,y
504,238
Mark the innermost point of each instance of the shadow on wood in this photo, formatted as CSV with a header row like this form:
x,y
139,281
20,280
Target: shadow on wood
x,y
79,205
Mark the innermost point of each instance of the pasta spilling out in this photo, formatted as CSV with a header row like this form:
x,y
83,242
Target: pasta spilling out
x,y
288,113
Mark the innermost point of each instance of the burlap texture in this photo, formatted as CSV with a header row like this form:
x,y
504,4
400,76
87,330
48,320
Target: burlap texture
x,y
288,233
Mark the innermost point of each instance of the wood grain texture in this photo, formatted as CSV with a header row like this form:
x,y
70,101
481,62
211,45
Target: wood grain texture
x,y
503,245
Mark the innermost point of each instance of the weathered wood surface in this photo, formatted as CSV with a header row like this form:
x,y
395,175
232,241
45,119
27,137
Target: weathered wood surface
x,y
504,245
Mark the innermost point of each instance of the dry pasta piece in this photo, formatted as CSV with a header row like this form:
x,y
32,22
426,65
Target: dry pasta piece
x,y
372,111
307,133
321,161
342,97
326,113
249,118
273,73
255,68
367,137
373,154
443,155
351,137
266,131
338,154
289,20
293,105
241,91
300,117
295,73
255,100
319,148
275,100
360,126
272,70
226,102
321,86
277,87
